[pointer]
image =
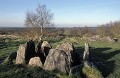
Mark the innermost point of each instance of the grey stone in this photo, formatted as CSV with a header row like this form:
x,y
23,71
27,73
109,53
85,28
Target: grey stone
x,y
57,60
20,59
39,51
45,47
86,55
35,61
68,48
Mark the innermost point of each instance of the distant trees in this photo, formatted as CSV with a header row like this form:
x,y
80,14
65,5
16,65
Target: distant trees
x,y
42,17
103,31
110,29
115,28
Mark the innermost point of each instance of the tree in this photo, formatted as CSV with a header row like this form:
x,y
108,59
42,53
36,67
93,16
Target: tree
x,y
42,17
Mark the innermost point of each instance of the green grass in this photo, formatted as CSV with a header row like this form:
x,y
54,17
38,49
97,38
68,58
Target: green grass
x,y
20,71
106,56
91,72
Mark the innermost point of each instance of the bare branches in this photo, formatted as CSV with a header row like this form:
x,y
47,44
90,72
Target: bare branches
x,y
42,17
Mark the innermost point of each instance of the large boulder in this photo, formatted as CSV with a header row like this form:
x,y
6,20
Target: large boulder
x,y
109,39
68,48
45,47
20,59
30,51
57,60
35,61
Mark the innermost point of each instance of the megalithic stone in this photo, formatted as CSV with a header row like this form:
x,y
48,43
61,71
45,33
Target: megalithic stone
x,y
86,55
20,59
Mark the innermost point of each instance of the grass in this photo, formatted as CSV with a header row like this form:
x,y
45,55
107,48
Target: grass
x,y
20,71
106,56
91,72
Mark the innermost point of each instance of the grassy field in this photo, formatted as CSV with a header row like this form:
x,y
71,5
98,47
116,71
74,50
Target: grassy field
x,y
106,56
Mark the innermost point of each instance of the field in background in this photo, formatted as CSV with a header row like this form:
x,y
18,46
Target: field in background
x,y
106,57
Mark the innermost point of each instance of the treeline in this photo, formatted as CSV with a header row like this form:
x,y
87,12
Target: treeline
x,y
111,29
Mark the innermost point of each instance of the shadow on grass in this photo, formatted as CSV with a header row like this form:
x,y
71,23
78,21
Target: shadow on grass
x,y
100,57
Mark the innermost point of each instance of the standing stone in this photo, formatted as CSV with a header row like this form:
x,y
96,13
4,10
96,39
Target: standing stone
x,y
30,51
57,59
86,55
20,59
39,46
39,51
45,47
35,61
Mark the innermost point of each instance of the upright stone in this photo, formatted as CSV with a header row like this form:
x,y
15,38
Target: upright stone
x,y
30,51
86,55
20,59
45,47
39,46
87,60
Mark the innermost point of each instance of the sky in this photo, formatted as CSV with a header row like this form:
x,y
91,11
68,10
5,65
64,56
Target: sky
x,y
66,12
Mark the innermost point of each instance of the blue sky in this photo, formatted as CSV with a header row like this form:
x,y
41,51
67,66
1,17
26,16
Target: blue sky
x,y
66,12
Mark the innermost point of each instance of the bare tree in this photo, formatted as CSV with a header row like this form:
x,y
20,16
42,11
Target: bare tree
x,y
42,17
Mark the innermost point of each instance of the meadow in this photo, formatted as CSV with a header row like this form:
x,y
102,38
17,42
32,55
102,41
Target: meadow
x,y
106,56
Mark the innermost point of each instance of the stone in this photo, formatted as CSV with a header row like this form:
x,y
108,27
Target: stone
x,y
86,55
115,39
30,51
39,46
39,51
76,71
42,57
57,60
87,60
109,39
35,61
20,59
45,47
12,57
68,48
